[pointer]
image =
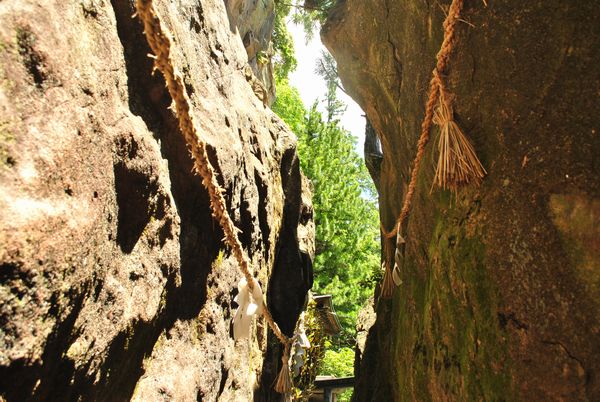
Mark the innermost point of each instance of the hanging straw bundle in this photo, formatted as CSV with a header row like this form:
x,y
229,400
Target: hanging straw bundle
x,y
283,384
458,164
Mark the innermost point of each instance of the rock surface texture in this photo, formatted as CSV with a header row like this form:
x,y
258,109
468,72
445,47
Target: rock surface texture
x,y
115,283
253,20
500,293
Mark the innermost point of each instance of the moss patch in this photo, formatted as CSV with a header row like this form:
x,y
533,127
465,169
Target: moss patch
x,y
313,360
446,340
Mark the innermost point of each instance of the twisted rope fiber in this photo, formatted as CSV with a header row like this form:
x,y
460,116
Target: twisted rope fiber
x,y
436,86
161,46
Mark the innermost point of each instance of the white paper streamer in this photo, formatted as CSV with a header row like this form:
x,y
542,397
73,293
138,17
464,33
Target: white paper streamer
x,y
301,344
396,276
248,305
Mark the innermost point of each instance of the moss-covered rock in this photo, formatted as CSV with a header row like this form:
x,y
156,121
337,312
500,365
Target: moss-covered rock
x,y
499,294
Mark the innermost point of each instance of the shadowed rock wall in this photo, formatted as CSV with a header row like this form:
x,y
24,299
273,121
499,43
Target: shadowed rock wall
x,y
115,284
500,288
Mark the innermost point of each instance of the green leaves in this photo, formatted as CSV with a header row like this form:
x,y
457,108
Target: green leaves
x,y
311,14
338,363
304,382
346,217
283,45
290,108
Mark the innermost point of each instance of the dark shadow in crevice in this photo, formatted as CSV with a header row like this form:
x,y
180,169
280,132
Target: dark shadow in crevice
x,y
34,61
291,278
246,224
51,378
264,226
123,365
270,369
289,284
134,191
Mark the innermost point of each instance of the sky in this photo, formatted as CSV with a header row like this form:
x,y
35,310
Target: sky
x,y
311,86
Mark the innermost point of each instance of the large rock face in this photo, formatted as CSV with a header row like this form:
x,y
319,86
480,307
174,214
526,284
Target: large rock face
x,y
254,20
115,283
500,293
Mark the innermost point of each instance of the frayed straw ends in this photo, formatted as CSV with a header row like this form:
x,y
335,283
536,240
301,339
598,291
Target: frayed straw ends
x,y
458,164
283,384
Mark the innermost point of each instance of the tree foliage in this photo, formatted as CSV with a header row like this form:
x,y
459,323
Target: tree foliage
x,y
311,14
283,45
308,13
339,363
347,245
314,357
327,68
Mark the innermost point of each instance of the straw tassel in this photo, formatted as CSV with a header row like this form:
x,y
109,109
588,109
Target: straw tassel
x,y
458,164
283,385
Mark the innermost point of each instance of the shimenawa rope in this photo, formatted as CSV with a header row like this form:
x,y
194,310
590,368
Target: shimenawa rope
x,y
161,47
436,87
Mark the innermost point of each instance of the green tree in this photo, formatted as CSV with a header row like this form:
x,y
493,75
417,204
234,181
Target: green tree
x,y
284,58
289,107
310,14
327,68
339,363
347,235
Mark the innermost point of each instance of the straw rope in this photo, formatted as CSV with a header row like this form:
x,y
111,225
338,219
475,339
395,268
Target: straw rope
x,y
161,46
436,85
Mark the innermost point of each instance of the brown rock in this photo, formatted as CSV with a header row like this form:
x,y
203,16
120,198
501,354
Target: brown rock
x,y
499,299
115,283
